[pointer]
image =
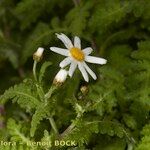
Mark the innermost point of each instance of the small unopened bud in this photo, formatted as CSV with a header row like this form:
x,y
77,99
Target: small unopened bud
x,y
60,77
37,56
84,89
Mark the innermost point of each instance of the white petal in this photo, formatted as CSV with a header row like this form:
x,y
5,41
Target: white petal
x,y
39,51
65,62
60,51
77,42
87,50
90,71
67,42
61,76
72,68
95,60
83,71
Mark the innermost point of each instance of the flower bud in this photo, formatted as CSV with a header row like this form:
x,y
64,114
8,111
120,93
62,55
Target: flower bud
x,y
60,77
37,56
84,90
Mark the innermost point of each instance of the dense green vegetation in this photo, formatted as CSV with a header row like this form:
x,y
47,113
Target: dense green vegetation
x,y
111,113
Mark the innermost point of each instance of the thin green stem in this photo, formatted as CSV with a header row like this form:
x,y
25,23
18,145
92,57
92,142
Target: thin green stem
x,y
40,92
46,97
67,131
50,92
53,124
70,128
34,70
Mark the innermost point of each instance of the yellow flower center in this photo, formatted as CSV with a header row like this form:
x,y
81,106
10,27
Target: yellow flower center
x,y
77,54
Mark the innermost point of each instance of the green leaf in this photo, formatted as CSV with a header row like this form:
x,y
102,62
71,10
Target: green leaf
x,y
130,121
15,130
24,94
111,144
144,144
23,11
47,138
39,36
84,130
107,15
8,50
143,51
42,112
77,18
111,128
43,70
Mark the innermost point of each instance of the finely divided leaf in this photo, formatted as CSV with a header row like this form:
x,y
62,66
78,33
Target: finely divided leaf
x,y
24,94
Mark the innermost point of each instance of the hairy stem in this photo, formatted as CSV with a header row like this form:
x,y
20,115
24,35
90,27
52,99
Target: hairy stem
x,y
40,92
50,92
34,70
53,124
69,129
51,120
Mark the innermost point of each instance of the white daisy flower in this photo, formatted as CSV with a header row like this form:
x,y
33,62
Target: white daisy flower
x,y
77,57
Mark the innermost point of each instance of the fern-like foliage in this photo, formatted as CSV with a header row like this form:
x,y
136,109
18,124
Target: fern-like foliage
x,y
8,50
15,130
107,15
47,138
145,141
24,7
87,131
77,18
42,112
43,70
141,90
39,36
24,94
17,135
